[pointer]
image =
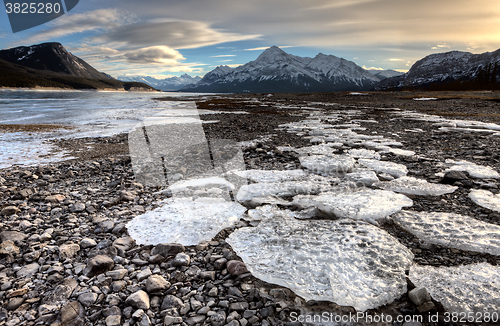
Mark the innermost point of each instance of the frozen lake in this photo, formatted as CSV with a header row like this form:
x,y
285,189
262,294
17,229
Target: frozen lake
x,y
89,113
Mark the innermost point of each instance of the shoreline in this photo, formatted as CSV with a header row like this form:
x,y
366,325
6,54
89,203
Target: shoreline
x,y
67,213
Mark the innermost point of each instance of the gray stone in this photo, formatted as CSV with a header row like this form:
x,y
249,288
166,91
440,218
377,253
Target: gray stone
x,y
144,274
208,275
72,314
139,299
77,207
61,293
220,263
419,296
117,274
236,268
14,303
124,244
233,323
12,236
9,210
196,319
168,249
156,283
171,301
87,243
181,259
87,299
170,320
113,320
28,270
218,319
68,250
98,265
239,306
8,248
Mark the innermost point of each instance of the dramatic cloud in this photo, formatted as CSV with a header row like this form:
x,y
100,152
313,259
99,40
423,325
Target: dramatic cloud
x,y
155,54
102,19
174,34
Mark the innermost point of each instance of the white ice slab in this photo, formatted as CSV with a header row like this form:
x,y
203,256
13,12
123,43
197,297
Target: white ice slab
x,y
361,204
366,178
363,153
348,262
328,164
187,185
267,212
475,171
279,189
395,151
413,186
451,230
394,169
323,149
486,199
184,221
272,175
471,288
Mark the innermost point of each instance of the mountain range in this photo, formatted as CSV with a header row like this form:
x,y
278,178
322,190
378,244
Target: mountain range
x,y
51,65
277,71
453,70
165,84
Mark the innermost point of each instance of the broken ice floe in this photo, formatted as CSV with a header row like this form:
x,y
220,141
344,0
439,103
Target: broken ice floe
x,y
413,186
472,288
486,199
425,99
395,151
361,204
394,169
212,182
362,178
267,212
363,153
272,175
185,221
347,262
475,171
451,231
328,164
280,189
323,149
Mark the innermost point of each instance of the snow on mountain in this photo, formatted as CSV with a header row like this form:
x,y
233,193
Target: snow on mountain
x,y
455,69
277,71
167,84
383,74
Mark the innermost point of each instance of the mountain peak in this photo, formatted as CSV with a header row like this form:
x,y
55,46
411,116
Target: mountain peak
x,y
273,53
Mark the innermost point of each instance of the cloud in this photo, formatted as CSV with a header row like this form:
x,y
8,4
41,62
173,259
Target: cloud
x,y
223,55
155,54
102,19
174,34
262,48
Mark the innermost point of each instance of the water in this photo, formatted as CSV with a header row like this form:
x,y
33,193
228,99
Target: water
x,y
88,113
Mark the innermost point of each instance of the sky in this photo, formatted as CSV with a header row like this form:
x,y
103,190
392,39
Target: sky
x,y
163,38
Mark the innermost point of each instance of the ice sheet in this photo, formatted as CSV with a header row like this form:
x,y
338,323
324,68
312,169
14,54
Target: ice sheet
x,y
272,175
394,169
360,204
413,186
451,230
187,185
280,189
474,170
328,164
348,262
185,221
362,178
486,199
471,288
363,153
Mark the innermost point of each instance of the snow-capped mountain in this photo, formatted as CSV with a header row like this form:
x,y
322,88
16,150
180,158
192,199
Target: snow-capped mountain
x,y
384,74
166,84
51,57
450,70
277,71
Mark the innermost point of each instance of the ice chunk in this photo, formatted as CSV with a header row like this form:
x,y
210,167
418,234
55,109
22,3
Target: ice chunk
x,y
361,204
475,171
348,262
414,186
451,230
394,169
395,151
328,164
323,149
280,189
272,175
486,199
363,153
185,221
269,212
187,185
472,288
366,178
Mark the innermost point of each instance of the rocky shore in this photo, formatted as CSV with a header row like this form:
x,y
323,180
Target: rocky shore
x,y
66,257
